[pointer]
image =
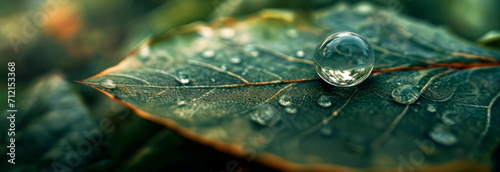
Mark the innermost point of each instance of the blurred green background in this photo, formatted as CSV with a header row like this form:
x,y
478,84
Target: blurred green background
x,y
81,38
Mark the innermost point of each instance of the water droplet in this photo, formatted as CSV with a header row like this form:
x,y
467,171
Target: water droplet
x,y
235,60
292,33
291,110
442,135
227,33
212,79
251,51
431,108
108,83
324,101
183,77
344,59
285,100
405,94
265,115
144,50
208,54
451,118
326,130
300,53
182,102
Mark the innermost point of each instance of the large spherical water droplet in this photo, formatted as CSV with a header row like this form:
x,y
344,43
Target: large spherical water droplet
x,y
344,59
405,94
108,83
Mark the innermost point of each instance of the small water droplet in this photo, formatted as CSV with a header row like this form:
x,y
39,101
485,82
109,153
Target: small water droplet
x,y
265,115
251,50
300,53
227,33
182,102
451,118
208,54
344,59
442,135
291,33
285,100
431,108
326,130
291,110
212,79
405,94
108,83
223,67
235,60
183,77
324,101
144,50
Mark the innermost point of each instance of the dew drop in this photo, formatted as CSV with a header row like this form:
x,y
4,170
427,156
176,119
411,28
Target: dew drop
x,y
235,60
182,102
291,33
265,115
344,59
285,100
442,135
451,118
223,67
326,130
291,110
183,77
324,101
300,53
431,108
405,94
208,54
227,33
251,50
108,83
212,79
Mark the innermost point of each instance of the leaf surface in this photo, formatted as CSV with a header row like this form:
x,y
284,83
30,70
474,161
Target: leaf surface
x,y
247,86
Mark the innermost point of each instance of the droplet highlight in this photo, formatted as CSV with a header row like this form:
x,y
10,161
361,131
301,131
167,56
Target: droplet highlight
x,y
265,115
431,108
300,53
405,94
208,53
227,33
442,135
285,100
183,77
235,60
251,50
108,83
344,59
324,101
291,110
326,130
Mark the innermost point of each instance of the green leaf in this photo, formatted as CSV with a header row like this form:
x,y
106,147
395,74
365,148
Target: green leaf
x,y
53,131
428,105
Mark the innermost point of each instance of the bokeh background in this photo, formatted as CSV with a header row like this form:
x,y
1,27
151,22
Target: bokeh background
x,y
77,39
